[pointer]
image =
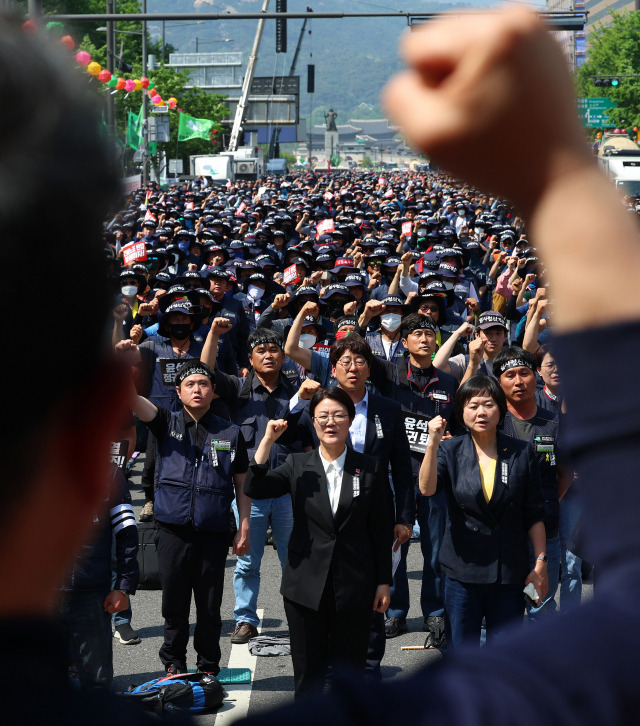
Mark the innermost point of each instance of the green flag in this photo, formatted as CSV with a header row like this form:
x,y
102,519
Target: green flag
x,y
134,129
194,128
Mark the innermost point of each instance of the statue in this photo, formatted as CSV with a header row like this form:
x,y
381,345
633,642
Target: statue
x,y
330,118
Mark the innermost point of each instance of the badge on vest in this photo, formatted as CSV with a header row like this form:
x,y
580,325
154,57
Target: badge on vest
x,y
505,473
175,435
440,396
221,445
379,431
356,484
214,454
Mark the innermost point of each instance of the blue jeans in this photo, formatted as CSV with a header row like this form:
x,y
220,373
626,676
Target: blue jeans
x,y
432,515
570,564
90,637
548,605
466,604
246,578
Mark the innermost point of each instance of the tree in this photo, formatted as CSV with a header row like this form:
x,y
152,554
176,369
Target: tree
x,y
615,50
366,162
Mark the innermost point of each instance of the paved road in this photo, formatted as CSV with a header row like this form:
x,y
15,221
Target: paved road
x,y
273,677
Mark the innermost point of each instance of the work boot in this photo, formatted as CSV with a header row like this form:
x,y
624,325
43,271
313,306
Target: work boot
x,y
436,637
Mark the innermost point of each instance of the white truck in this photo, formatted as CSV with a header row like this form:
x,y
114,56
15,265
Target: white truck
x,y
619,158
219,167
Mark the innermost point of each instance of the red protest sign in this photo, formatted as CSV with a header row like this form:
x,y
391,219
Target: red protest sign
x,y
325,227
290,276
149,217
382,181
406,228
388,194
240,209
134,252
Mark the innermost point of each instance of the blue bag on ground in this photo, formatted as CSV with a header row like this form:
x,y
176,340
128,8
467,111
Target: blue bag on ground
x,y
192,692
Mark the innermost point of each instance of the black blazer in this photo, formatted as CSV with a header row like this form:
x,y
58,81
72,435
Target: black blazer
x,y
390,446
355,545
487,542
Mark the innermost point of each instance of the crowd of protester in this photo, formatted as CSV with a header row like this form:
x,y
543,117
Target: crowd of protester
x,y
397,287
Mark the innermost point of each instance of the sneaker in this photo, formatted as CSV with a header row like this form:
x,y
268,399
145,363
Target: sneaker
x,y
394,627
243,633
126,634
146,515
436,637
171,669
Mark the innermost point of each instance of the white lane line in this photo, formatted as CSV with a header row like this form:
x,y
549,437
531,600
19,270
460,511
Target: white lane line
x,y
236,705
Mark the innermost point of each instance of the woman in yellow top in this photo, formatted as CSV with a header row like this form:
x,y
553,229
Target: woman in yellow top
x,y
494,508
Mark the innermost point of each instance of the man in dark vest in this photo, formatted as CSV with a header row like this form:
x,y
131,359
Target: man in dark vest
x,y
200,459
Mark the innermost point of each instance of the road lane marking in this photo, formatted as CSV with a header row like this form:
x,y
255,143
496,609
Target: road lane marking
x,y
236,705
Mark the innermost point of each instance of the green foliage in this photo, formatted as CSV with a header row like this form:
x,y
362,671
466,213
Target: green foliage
x,y
615,50
291,159
367,163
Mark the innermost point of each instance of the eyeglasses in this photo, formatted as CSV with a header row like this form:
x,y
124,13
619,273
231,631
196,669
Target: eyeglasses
x,y
346,363
324,418
375,264
429,308
550,366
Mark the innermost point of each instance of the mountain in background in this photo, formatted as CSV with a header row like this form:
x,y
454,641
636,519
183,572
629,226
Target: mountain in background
x,y
353,57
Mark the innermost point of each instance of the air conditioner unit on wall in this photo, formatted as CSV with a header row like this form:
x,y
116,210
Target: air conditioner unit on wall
x,y
246,167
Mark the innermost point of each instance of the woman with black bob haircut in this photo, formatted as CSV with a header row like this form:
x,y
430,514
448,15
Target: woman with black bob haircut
x,y
338,568
494,508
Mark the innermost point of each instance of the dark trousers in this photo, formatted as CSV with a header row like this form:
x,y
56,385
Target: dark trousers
x,y
466,604
324,637
191,561
375,651
90,636
149,468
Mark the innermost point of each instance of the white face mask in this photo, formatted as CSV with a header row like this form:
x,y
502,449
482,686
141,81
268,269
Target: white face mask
x,y
307,341
391,321
422,232
255,292
129,290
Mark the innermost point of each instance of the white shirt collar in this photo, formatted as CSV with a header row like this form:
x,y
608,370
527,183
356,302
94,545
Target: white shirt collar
x,y
336,463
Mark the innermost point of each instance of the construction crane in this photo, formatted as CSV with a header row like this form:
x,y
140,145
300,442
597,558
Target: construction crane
x,y
246,84
275,135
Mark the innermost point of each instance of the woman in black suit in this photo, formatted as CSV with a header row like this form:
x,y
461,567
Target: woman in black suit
x,y
338,568
494,507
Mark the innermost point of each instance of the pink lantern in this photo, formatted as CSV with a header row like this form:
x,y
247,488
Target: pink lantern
x,y
104,76
129,85
83,58
616,131
171,103
156,99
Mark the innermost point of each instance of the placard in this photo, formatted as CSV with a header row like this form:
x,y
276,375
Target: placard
x,y
417,429
170,366
325,227
323,350
134,252
291,276
407,228
119,450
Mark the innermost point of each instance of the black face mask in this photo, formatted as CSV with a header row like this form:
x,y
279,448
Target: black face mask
x,y
336,309
180,331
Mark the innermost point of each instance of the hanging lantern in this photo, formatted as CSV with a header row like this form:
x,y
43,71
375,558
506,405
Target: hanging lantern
x,y
156,99
151,85
83,58
29,26
94,68
171,103
112,82
67,42
144,82
138,84
120,84
104,76
129,85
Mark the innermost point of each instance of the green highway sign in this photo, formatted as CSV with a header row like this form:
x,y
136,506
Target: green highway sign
x,y
594,112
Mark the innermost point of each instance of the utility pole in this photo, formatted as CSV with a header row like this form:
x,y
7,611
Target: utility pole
x,y
111,67
145,99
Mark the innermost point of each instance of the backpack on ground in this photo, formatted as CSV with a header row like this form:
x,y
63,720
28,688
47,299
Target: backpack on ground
x,y
192,692
148,556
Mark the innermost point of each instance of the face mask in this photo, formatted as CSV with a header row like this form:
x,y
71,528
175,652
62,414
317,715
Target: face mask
x,y
342,334
307,341
462,213
422,232
391,321
180,331
255,292
129,290
336,310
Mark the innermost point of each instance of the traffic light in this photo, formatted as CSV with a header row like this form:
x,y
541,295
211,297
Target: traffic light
x,y
281,27
606,82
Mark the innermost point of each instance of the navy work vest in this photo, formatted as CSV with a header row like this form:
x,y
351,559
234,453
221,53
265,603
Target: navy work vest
x,y
195,487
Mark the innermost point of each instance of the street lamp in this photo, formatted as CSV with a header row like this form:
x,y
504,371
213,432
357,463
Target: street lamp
x,y
205,42
175,25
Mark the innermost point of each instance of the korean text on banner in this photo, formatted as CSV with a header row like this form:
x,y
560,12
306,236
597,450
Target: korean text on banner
x,y
134,252
291,276
325,227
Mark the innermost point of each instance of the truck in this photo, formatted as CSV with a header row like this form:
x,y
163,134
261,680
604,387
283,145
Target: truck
x,y
619,158
219,167
277,167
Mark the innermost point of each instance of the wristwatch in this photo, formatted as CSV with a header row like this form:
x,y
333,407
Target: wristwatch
x,y
543,558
